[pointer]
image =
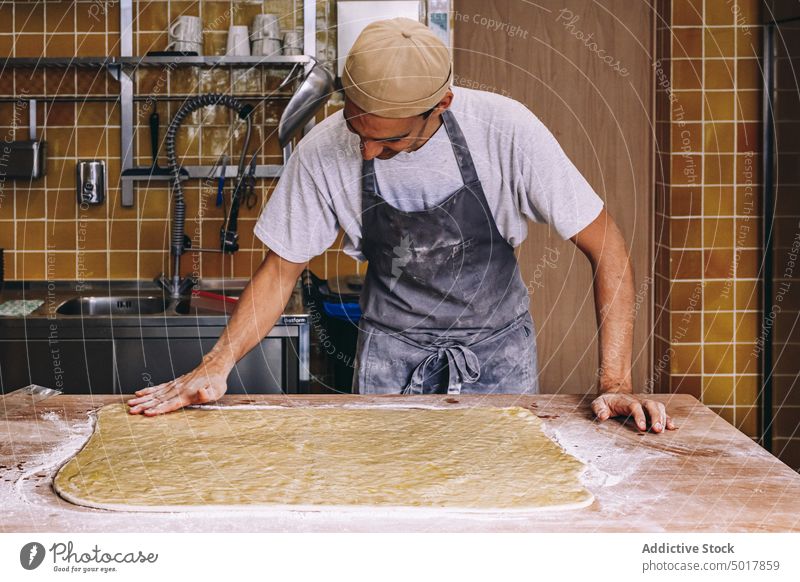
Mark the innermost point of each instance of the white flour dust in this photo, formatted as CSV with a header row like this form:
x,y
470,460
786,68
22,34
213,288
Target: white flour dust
x,y
70,439
592,475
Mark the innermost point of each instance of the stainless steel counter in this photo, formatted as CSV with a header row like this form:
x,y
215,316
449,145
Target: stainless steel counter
x,y
118,353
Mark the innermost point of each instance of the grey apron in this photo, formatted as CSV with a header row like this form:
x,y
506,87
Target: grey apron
x,y
444,306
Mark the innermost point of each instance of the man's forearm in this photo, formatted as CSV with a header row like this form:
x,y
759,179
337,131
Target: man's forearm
x,y
260,305
602,243
614,297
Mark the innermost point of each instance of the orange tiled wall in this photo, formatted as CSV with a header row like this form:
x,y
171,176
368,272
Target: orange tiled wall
x,y
42,229
709,204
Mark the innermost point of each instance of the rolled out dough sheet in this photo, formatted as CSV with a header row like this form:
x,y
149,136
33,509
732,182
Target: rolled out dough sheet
x,y
494,460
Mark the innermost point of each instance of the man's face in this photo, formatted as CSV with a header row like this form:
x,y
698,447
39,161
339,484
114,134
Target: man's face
x,y
384,138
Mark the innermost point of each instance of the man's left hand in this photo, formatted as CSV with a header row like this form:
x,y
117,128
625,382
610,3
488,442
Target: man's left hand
x,y
611,404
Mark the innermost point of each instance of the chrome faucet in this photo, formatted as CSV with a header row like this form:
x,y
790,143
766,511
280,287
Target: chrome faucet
x,y
310,97
177,286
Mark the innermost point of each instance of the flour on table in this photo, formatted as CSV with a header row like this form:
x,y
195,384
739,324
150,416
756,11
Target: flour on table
x,y
70,437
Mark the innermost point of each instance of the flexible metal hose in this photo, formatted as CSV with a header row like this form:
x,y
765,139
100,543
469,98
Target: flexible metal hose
x,y
177,245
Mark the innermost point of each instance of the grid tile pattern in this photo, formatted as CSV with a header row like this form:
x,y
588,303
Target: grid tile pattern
x,y
708,204
45,234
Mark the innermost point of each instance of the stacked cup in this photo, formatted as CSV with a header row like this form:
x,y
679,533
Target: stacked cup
x,y
186,34
293,42
265,35
238,44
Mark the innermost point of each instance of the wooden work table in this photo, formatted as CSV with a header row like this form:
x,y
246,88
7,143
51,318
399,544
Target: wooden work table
x,y
705,476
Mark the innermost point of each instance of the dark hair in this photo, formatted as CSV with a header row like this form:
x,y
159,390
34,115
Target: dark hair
x,y
427,114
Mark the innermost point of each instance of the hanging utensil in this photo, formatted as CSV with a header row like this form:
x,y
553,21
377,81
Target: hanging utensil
x,y
25,158
250,197
221,183
154,125
309,98
154,169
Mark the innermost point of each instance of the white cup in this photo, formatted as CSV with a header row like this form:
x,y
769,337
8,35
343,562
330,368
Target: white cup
x,y
265,26
238,42
265,35
186,34
292,43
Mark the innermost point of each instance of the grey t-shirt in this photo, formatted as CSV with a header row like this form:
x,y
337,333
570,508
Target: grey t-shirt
x,y
524,173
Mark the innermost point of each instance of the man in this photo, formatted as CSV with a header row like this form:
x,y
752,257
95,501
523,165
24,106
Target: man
x,y
432,185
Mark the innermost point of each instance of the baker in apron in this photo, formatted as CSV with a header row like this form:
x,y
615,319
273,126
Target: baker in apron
x,y
444,306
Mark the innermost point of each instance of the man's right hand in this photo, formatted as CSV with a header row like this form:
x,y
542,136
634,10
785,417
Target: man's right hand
x,y
206,383
260,305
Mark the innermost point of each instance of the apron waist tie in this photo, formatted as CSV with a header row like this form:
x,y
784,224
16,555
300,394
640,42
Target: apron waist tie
x,y
462,367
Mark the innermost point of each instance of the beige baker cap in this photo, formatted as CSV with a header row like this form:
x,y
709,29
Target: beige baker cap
x,y
397,68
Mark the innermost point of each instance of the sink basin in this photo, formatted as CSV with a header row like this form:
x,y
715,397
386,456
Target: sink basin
x,y
136,305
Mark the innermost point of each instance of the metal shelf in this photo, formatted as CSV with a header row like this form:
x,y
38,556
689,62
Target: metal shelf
x,y
261,171
23,62
215,61
147,61
137,98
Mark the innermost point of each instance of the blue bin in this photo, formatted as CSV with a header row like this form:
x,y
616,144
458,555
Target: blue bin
x,y
345,311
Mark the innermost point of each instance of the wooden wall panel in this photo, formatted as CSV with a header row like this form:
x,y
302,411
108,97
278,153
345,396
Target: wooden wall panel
x,y
601,114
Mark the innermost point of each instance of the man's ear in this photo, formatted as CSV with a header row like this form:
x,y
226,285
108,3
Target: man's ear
x,y
442,105
445,102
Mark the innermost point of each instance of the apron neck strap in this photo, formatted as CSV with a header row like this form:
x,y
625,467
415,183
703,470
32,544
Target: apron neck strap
x,y
368,182
463,158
